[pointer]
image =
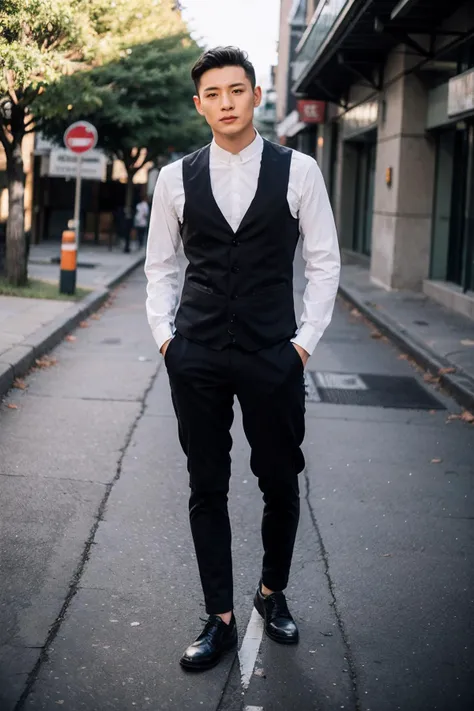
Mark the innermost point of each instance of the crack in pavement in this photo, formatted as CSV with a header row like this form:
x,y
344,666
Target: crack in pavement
x,y
74,586
340,623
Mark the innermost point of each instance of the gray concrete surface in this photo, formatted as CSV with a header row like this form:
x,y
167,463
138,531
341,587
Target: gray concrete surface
x,y
101,591
440,339
96,268
31,327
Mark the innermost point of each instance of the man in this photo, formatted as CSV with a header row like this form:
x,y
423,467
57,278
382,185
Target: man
x,y
239,207
140,222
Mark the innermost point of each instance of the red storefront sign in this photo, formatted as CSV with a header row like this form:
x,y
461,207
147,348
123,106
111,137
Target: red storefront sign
x,y
311,111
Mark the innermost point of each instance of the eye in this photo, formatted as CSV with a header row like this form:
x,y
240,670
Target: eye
x,y
237,91
211,96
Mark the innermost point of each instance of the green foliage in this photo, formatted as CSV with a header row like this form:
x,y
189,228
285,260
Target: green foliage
x,y
41,40
141,104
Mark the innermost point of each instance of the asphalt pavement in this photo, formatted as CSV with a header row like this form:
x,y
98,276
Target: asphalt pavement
x,y
99,590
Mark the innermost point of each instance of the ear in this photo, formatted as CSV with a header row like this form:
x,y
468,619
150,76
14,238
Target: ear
x,y
197,104
257,96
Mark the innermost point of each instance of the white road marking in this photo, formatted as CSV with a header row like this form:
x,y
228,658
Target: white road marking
x,y
249,650
253,708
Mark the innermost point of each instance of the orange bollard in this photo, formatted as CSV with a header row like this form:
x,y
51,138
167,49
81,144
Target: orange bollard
x,y
67,278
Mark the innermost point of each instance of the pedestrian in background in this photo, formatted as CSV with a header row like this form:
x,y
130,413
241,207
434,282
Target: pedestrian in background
x,y
239,206
140,222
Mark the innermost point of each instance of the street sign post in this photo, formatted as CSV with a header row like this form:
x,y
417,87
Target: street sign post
x,y
79,138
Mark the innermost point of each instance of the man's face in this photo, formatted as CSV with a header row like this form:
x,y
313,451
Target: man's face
x,y
226,100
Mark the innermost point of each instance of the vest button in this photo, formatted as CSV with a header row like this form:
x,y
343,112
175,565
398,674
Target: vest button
x,y
235,242
235,270
234,297
230,332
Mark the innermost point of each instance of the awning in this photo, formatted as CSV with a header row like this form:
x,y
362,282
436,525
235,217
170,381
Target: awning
x,y
348,39
291,125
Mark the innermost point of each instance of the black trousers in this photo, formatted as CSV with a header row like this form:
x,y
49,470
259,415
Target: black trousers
x,y
269,385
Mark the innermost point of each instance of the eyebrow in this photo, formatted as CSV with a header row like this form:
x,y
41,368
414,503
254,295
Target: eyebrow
x,y
231,86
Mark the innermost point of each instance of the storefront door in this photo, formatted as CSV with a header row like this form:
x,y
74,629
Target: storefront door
x,y
453,215
364,198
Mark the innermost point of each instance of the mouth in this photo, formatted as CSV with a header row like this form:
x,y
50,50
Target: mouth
x,y
229,119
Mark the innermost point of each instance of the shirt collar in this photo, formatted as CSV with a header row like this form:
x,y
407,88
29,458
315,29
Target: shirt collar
x,y
252,150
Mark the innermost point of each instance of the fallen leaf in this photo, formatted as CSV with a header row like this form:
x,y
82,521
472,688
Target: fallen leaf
x,y
19,384
467,416
403,356
71,339
356,313
45,362
11,406
95,317
436,461
454,417
429,378
467,342
83,324
445,371
375,334
432,412
386,555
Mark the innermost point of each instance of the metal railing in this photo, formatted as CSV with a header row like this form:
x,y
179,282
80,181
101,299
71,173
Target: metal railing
x,y
325,19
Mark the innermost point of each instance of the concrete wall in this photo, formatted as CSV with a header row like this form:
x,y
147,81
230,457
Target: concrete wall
x,y
401,234
283,60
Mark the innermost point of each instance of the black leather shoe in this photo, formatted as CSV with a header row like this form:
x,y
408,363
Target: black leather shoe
x,y
216,638
279,624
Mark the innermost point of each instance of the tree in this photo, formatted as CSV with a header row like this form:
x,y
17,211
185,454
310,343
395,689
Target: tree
x,y
141,104
42,41
39,39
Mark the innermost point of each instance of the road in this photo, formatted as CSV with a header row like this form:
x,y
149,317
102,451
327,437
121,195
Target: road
x,y
99,587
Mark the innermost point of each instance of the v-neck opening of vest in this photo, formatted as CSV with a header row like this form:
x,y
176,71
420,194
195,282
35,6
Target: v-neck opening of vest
x,y
260,182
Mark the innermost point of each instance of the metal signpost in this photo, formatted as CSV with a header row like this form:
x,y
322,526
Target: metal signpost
x,y
79,138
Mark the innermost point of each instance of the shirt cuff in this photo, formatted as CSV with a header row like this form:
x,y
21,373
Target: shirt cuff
x,y
307,337
163,333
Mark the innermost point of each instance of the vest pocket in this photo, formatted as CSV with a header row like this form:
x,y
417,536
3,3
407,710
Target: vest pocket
x,y
200,287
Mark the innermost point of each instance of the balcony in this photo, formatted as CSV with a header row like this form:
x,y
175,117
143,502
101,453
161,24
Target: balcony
x,y
327,18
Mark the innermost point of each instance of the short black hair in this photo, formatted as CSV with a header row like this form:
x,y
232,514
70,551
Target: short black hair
x,y
223,57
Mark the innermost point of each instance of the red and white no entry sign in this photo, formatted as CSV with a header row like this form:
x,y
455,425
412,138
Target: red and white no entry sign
x,y
80,137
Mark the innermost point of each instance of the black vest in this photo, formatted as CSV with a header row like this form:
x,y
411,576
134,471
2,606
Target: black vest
x,y
238,287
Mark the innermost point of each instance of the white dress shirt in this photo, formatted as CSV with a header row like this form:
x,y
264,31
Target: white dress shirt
x,y
234,184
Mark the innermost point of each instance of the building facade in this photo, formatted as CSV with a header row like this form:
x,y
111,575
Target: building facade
x,y
396,145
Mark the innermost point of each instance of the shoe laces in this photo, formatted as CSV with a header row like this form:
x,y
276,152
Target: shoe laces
x,y
279,605
211,622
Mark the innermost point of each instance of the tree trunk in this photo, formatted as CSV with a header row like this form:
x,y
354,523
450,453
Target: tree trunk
x,y
128,211
129,195
17,273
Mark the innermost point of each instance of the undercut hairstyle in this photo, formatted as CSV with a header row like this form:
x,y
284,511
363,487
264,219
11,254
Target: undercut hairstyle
x,y
220,57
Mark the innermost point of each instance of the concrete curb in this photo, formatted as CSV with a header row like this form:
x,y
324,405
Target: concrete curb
x,y
16,361
459,384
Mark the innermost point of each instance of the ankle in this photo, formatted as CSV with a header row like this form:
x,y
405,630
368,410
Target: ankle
x,y
266,591
225,617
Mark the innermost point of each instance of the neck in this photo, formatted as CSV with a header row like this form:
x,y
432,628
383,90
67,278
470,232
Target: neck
x,y
236,144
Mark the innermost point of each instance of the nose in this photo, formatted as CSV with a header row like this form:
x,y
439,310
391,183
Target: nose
x,y
227,102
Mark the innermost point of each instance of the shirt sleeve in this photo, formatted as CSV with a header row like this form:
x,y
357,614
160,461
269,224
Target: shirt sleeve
x,y
161,264
322,257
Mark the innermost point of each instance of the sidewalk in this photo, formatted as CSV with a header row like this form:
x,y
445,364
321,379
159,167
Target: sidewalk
x,y
442,341
30,327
